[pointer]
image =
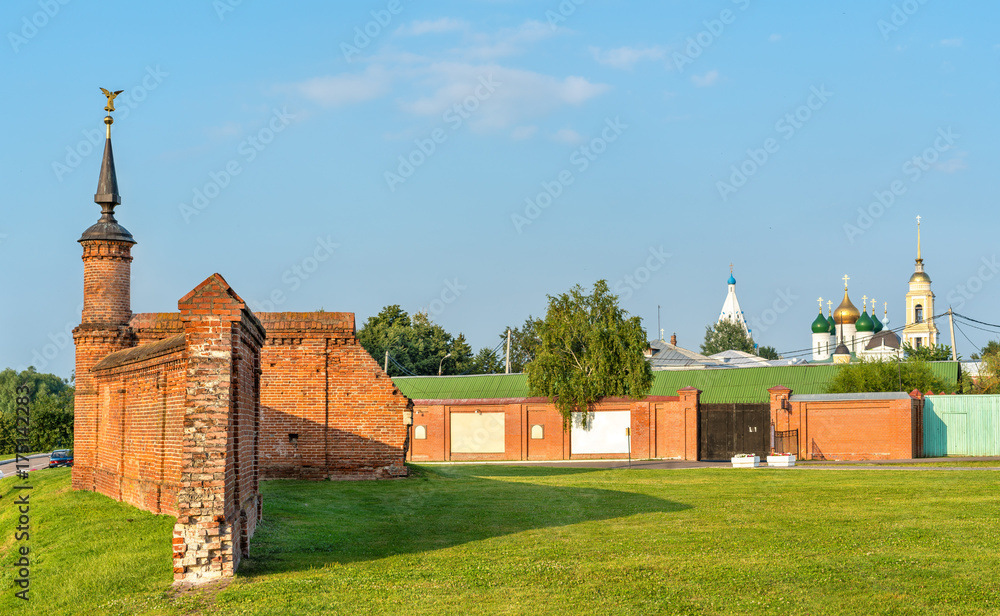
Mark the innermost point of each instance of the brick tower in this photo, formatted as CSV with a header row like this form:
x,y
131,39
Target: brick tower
x,y
107,263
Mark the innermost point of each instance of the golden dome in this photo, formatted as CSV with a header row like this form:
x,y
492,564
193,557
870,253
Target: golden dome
x,y
846,313
920,277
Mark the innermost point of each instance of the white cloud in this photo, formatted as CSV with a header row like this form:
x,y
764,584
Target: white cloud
x,y
436,26
347,88
523,132
706,80
568,135
516,94
954,164
626,58
506,42
774,38
952,42
492,96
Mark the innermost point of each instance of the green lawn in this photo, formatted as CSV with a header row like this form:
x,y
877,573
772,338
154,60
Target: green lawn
x,y
532,540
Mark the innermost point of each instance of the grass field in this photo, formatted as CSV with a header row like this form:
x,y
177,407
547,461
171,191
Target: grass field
x,y
530,540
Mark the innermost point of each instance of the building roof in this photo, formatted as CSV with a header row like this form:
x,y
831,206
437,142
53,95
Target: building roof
x,y
167,346
668,356
747,385
885,338
733,357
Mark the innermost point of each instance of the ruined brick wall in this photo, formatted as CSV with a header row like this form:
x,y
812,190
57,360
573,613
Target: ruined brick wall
x,y
218,500
661,427
328,409
139,420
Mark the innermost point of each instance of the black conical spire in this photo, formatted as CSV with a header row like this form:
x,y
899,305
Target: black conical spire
x,y
107,184
107,228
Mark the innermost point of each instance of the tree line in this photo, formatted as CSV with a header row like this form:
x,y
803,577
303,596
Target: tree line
x,y
50,400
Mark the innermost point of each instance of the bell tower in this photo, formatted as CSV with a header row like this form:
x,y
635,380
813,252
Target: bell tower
x,y
107,309
920,329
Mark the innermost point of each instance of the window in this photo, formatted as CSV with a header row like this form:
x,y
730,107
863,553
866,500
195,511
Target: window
x,y
419,432
918,314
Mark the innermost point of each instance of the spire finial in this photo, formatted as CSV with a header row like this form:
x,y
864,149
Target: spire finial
x,y
919,258
730,268
829,308
845,279
873,305
107,228
820,300
864,302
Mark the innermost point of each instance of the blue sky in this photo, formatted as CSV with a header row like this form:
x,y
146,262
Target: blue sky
x,y
469,158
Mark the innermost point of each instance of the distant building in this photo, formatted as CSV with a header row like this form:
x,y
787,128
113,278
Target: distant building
x,y
731,307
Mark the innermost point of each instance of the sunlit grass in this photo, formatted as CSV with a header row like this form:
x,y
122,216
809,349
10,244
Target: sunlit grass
x,y
533,540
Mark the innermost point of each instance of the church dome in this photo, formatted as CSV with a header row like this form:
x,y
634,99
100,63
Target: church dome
x,y
833,326
846,312
865,323
821,325
877,323
920,277
732,279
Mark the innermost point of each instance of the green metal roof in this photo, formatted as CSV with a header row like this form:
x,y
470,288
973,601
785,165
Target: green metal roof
x,y
485,386
726,385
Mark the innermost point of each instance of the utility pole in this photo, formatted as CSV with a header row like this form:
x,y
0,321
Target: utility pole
x,y
507,371
951,324
386,369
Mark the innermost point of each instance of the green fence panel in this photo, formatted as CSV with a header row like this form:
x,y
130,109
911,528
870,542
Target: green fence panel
x,y
962,426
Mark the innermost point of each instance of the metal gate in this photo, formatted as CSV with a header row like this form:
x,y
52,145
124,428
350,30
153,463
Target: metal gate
x,y
786,441
728,429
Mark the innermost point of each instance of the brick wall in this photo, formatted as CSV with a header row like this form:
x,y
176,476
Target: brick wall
x,y
850,426
661,427
218,499
138,425
328,409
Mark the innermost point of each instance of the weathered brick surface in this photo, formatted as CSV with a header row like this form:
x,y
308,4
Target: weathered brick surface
x,y
661,427
218,501
328,409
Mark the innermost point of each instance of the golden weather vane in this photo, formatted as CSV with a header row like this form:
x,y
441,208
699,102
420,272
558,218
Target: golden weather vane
x,y
108,120
111,99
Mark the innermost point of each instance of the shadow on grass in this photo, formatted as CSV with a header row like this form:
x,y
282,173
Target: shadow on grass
x,y
312,524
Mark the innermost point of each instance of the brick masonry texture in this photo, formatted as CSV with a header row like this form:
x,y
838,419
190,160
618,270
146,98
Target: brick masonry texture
x,y
329,411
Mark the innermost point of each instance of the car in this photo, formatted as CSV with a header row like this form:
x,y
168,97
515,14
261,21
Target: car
x,y
61,457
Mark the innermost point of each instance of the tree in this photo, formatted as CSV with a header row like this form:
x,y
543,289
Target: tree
x,y
524,342
768,352
875,375
50,400
486,361
417,344
938,352
589,349
726,335
992,348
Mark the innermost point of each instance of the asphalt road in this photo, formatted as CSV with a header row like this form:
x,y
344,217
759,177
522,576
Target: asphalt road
x,y
37,461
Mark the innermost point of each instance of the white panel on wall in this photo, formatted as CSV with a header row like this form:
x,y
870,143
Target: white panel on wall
x,y
606,434
477,432
420,432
